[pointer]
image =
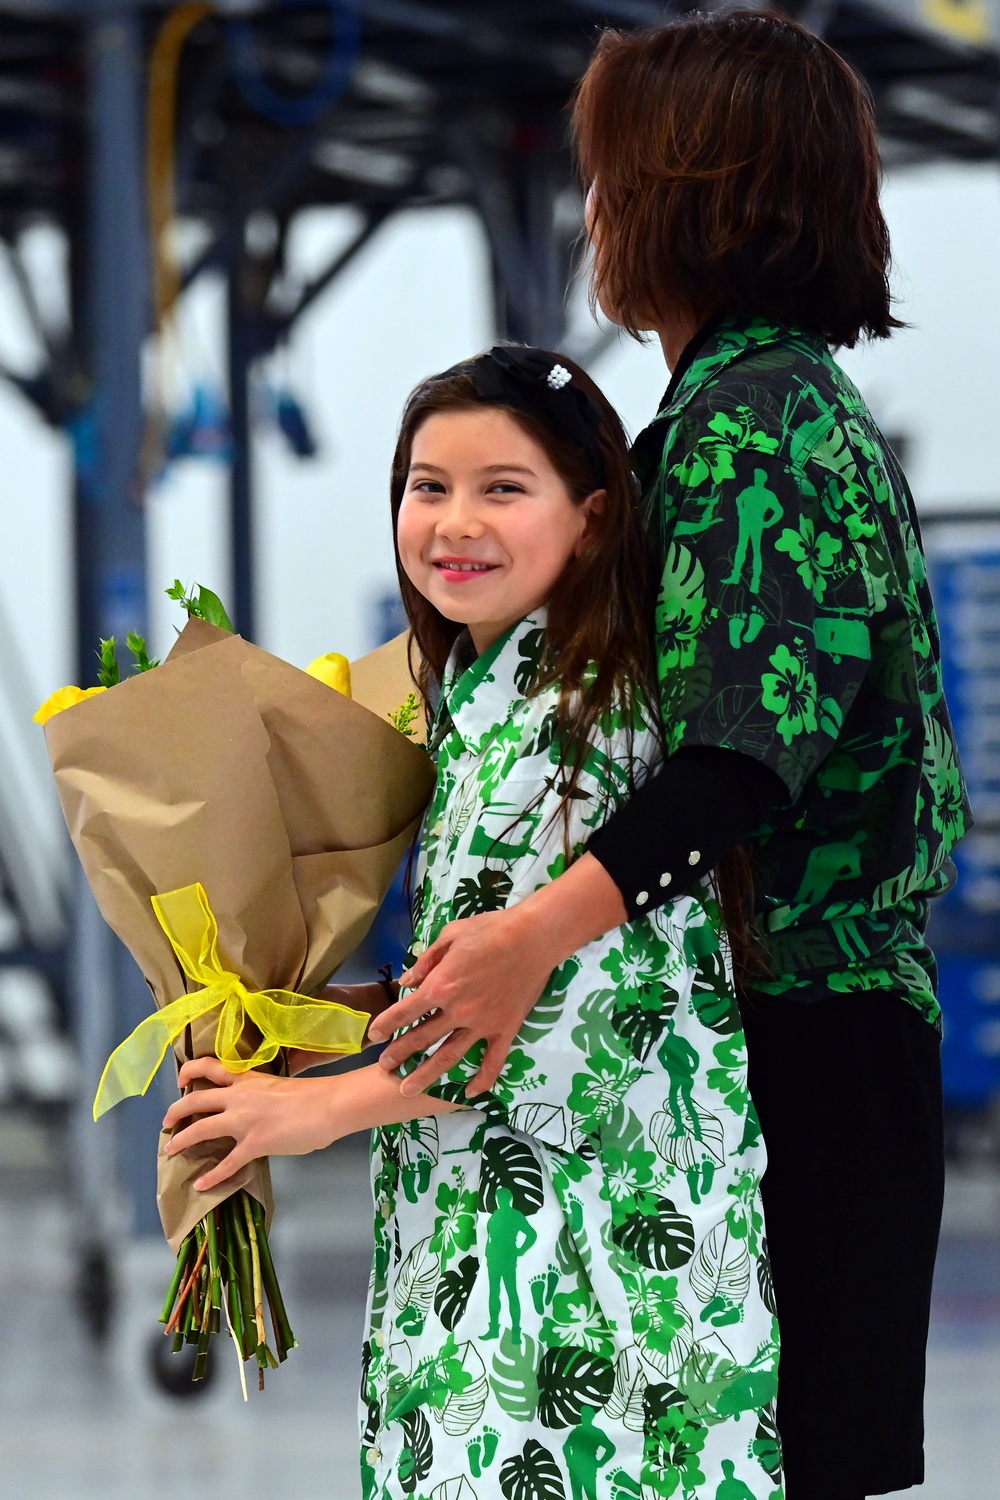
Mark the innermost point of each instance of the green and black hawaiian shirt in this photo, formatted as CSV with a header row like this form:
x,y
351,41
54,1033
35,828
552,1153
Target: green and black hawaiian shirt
x,y
795,625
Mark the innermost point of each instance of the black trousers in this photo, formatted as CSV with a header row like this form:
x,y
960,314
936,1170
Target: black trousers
x,y
849,1096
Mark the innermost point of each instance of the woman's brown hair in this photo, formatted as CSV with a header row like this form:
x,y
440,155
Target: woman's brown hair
x,y
735,169
598,644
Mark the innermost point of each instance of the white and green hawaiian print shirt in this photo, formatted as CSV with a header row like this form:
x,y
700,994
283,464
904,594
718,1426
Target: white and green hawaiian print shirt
x,y
571,1297
795,625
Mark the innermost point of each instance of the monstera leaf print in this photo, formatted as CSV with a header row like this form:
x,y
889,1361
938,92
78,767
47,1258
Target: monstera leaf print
x,y
766,1446
418,1451
511,1164
464,1407
458,1488
416,1139
417,1278
721,1269
662,1239
454,1290
529,651
532,1475
544,1014
701,1137
488,892
712,995
625,1404
546,1121
568,1380
515,1376
463,803
765,1280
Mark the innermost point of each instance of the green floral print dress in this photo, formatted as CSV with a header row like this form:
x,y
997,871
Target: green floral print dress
x,y
571,1297
795,625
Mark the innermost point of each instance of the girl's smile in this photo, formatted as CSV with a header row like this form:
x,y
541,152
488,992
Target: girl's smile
x,y
487,526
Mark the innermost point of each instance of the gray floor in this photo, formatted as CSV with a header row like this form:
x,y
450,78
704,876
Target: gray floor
x,y
78,1424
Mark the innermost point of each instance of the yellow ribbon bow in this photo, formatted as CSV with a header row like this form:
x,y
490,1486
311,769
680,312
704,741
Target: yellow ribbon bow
x,y
283,1018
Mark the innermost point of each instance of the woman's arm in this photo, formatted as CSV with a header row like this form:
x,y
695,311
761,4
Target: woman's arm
x,y
266,1115
484,974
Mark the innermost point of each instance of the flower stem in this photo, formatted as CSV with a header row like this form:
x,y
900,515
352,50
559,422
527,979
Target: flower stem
x,y
284,1338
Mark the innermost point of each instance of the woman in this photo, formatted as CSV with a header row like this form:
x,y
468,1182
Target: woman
x,y
734,210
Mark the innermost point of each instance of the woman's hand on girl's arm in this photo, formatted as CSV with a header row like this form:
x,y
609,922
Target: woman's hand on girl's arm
x,y
265,1115
372,997
483,975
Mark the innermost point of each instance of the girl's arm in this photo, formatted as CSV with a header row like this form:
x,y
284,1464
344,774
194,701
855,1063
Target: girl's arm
x,y
266,1115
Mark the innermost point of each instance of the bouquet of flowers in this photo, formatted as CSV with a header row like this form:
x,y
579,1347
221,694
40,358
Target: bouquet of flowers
x,y
239,823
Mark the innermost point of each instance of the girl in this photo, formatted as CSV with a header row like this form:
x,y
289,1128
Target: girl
x,y
571,1295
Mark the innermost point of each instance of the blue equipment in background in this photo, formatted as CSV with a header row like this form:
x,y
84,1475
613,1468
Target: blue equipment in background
x,y
964,562
392,929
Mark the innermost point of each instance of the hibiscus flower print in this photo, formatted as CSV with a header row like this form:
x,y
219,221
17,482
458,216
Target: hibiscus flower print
x,y
790,692
815,555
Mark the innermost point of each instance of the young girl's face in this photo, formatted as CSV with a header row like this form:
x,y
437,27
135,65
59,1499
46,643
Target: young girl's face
x,y
486,525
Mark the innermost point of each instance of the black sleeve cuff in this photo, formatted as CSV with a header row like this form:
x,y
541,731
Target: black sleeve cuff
x,y
679,824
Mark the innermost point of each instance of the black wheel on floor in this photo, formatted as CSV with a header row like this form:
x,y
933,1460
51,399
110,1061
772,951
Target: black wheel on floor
x,y
172,1372
96,1291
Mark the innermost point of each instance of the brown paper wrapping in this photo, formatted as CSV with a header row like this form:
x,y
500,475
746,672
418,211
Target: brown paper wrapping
x,y
291,804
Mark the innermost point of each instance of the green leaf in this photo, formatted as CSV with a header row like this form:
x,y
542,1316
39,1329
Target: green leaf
x,y
417,1457
510,1163
712,996
206,605
109,673
137,646
625,1404
722,1266
641,1029
701,1138
546,1121
417,1278
661,1240
515,1377
533,1474
766,1446
544,1014
456,1488
765,1280
570,1379
488,893
454,1289
466,1403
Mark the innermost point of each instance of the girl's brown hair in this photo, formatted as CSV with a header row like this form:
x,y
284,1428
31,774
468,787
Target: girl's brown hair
x,y
598,644
735,169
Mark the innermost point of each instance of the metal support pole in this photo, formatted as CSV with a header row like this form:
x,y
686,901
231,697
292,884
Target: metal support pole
x,y
111,547
242,350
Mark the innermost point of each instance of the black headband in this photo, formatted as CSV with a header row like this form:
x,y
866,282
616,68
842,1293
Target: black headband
x,y
533,381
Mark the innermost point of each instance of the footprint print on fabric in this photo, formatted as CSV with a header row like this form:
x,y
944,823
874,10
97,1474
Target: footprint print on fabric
x,y
482,1451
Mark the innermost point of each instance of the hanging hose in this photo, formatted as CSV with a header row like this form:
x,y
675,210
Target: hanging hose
x,y
345,48
164,67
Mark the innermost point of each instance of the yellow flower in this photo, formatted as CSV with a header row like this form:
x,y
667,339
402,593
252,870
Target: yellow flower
x,y
334,670
66,697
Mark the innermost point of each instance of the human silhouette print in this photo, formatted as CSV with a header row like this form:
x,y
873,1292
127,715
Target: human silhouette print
x,y
508,1236
586,1450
